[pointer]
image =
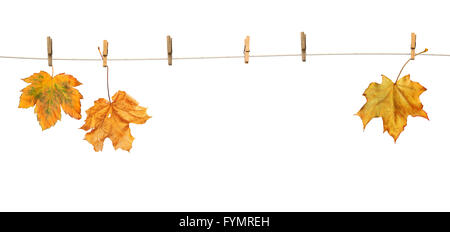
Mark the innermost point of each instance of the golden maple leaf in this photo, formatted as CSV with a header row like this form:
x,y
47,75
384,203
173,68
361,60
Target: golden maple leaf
x,y
49,94
393,102
111,120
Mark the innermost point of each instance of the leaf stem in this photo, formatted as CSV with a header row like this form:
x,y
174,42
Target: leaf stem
x,y
107,82
107,75
426,50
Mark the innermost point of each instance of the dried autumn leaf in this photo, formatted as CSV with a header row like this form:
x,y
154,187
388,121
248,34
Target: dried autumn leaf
x,y
49,94
111,120
393,102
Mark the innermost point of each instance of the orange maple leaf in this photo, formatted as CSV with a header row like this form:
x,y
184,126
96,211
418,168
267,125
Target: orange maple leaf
x,y
111,120
394,102
49,94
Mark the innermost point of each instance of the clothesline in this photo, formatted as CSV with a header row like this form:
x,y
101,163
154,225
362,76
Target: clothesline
x,y
225,57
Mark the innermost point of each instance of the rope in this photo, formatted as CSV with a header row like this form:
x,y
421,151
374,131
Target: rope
x,y
223,57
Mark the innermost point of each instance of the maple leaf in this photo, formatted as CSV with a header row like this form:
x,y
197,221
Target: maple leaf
x,y
393,102
111,120
50,94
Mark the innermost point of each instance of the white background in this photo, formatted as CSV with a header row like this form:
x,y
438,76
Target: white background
x,y
272,135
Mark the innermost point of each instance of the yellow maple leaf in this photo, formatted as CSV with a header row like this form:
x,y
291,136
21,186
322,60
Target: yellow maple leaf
x,y
111,120
393,102
49,94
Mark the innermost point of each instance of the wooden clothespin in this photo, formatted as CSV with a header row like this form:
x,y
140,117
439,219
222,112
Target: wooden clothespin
x,y
169,50
247,49
303,41
105,53
49,50
413,45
